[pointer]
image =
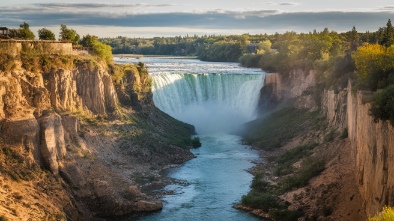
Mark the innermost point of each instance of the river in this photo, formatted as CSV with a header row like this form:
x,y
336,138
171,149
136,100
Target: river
x,y
217,98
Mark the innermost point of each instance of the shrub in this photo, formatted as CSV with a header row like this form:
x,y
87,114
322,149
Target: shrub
x,y
311,167
287,159
271,131
196,142
382,107
386,215
264,201
286,215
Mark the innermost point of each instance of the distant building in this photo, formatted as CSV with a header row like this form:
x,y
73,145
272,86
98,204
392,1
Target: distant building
x,y
252,48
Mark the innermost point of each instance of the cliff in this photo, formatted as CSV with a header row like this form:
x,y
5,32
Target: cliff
x,y
362,162
70,149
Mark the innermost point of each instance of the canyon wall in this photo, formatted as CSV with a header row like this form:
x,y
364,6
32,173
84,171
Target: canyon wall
x,y
93,167
372,143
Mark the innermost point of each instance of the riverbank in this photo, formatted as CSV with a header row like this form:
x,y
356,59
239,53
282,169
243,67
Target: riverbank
x,y
207,187
308,172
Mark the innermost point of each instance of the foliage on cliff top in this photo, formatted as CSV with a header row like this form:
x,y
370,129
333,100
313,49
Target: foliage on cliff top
x,y
99,49
382,106
23,32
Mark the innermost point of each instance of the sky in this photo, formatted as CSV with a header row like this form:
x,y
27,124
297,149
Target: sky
x,y
158,18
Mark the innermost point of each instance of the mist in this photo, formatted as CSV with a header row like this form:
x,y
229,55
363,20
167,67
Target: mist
x,y
212,118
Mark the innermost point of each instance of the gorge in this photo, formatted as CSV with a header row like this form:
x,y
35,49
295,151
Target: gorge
x,y
217,98
82,139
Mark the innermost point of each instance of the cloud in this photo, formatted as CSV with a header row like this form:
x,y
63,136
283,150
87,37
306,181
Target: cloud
x,y
97,5
261,21
387,8
284,3
288,3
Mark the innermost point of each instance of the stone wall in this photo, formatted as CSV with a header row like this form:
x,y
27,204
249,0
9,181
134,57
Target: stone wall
x,y
14,47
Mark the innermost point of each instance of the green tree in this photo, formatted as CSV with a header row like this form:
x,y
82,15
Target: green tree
x,y
24,32
88,41
388,35
99,49
382,106
354,39
67,34
46,34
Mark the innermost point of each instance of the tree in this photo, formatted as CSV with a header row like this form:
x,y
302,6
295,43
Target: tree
x,y
46,34
99,49
388,35
382,106
24,32
354,39
68,34
88,41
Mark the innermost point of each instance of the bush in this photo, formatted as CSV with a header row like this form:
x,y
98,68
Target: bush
x,y
250,60
382,107
311,167
286,215
386,215
287,159
196,142
271,131
264,201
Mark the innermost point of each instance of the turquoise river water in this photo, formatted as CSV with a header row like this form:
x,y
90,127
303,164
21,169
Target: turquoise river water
x,y
217,98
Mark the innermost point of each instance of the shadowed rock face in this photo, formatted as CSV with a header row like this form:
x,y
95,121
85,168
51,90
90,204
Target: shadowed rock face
x,y
52,146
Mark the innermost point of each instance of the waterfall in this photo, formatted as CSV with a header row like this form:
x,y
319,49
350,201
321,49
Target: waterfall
x,y
211,102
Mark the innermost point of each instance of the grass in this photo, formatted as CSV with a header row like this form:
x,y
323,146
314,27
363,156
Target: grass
x,y
272,130
286,160
12,164
311,167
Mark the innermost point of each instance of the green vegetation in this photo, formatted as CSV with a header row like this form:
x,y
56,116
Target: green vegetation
x,y
386,215
270,131
207,48
46,34
196,142
382,107
292,169
67,34
99,49
23,32
286,160
310,168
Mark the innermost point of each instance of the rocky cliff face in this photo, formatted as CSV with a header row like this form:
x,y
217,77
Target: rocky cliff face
x,y
371,144
52,111
297,86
